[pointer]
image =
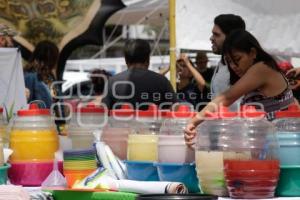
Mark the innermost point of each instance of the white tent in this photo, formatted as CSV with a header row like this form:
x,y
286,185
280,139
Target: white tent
x,y
275,23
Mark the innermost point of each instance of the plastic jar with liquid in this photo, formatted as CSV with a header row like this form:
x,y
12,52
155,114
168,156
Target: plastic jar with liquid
x,y
33,136
84,121
171,145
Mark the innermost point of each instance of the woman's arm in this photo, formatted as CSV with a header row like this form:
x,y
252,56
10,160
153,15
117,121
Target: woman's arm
x,y
201,83
252,80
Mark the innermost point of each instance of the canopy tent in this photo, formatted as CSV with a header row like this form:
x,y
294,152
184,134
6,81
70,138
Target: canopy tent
x,y
275,23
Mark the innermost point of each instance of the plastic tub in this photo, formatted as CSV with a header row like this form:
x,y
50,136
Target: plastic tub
x,y
30,173
76,175
184,173
3,173
289,151
289,181
141,171
176,197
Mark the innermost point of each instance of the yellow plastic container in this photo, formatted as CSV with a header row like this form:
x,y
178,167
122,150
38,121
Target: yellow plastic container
x,y
142,147
33,136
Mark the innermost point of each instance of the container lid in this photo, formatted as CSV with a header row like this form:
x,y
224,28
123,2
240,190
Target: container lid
x,y
222,113
152,111
292,111
126,110
33,111
90,108
183,111
251,112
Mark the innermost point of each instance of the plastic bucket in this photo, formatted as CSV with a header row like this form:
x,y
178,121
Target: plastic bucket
x,y
289,181
176,197
141,171
184,173
3,173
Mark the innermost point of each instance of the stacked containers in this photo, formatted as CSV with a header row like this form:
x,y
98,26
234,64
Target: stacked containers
x,y
209,150
3,132
287,125
251,166
84,121
121,123
176,160
34,141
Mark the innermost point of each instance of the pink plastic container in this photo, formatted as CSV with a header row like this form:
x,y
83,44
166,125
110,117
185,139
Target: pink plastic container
x,y
30,173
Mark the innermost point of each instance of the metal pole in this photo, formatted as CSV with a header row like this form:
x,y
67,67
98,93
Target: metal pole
x,y
172,30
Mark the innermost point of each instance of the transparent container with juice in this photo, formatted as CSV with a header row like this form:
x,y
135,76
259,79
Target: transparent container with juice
x,y
33,136
171,145
85,120
209,150
255,172
142,143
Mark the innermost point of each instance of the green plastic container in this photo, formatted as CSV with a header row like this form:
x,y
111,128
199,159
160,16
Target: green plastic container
x,y
3,173
289,181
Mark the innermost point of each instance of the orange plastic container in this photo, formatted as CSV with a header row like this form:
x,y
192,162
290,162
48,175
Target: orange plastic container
x,y
33,136
75,175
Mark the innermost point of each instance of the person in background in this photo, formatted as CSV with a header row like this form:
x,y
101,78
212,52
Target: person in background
x,y
138,85
224,24
6,36
201,65
98,79
255,75
191,84
39,73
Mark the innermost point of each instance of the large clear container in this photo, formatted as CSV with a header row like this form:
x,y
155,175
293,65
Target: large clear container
x,y
85,120
171,145
143,142
209,150
33,136
287,125
251,164
120,124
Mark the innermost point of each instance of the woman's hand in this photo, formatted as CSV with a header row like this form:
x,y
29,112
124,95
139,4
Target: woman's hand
x,y
293,73
189,134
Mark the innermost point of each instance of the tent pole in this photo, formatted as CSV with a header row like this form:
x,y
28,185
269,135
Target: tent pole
x,y
172,30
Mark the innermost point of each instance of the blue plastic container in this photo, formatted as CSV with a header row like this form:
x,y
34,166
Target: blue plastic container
x,y
289,148
3,173
179,172
141,171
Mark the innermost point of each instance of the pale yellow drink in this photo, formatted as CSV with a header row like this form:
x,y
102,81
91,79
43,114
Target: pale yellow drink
x,y
142,147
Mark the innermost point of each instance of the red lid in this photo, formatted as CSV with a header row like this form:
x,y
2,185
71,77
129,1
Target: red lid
x,y
183,111
90,108
33,110
251,112
163,113
292,111
151,112
125,111
222,113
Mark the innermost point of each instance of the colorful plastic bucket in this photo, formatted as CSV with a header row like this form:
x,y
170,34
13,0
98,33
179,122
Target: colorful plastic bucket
x,y
141,171
3,173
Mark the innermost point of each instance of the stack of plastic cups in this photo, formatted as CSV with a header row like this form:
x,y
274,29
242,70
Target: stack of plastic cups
x,y
287,125
84,121
34,141
120,124
78,164
142,149
209,150
176,160
251,166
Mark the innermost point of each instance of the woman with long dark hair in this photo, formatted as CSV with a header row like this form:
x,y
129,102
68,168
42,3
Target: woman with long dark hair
x,y
255,76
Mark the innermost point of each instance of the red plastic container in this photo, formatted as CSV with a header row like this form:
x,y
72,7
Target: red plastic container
x,y
251,179
30,173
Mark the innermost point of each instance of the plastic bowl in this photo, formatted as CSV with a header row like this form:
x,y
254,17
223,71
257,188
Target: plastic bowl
x,y
289,181
141,171
72,176
176,197
30,173
184,173
3,173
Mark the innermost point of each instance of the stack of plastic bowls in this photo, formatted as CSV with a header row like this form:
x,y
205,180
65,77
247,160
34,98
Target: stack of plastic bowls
x,y
176,160
34,141
209,149
251,165
287,125
121,123
85,120
78,164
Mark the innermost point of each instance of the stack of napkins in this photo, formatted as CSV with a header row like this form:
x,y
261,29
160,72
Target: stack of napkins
x,y
12,192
